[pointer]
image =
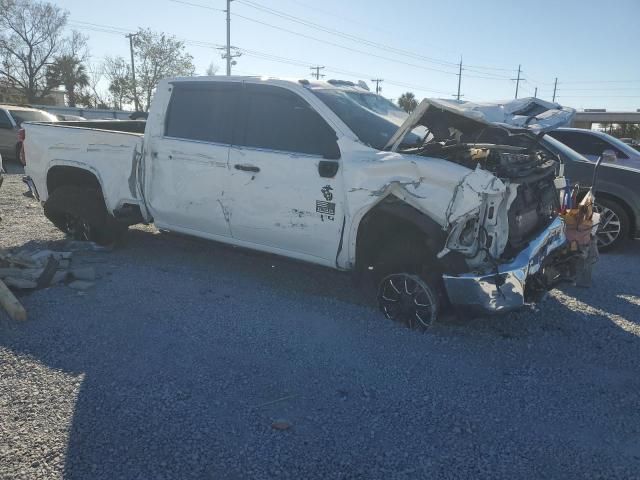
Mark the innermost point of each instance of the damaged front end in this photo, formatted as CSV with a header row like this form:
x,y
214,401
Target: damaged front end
x,y
503,218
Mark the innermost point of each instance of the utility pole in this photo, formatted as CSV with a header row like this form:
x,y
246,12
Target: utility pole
x,y
555,87
459,79
133,71
227,49
535,93
228,56
518,80
377,81
317,69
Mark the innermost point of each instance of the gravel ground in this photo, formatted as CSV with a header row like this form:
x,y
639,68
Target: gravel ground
x,y
180,360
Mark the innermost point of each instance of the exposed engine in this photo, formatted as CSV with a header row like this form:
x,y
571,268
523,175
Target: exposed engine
x,y
524,166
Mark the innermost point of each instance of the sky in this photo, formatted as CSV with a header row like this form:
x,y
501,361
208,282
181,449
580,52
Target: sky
x,y
413,45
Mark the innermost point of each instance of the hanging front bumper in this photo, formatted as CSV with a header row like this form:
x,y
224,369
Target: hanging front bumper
x,y
512,285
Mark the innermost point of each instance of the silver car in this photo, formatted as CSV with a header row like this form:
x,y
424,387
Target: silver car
x,y
11,118
591,144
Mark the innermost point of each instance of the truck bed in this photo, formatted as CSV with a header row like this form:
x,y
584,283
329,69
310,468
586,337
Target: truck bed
x,y
109,149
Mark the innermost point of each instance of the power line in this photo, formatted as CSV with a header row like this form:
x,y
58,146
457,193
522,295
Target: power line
x,y
344,47
347,36
209,45
358,75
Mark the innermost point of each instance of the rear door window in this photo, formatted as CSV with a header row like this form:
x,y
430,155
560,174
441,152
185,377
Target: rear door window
x,y
4,120
203,111
278,119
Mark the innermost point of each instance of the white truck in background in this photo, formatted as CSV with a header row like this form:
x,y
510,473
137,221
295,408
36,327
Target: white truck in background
x,y
455,203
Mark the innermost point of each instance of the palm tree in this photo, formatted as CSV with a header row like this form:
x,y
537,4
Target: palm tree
x,y
408,102
69,72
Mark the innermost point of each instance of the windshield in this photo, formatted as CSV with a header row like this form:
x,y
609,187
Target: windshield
x,y
373,118
20,116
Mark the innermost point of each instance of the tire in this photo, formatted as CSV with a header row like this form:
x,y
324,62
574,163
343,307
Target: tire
x,y
408,282
80,212
614,224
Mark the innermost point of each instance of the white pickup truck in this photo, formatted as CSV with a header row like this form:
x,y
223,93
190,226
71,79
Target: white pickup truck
x,y
454,204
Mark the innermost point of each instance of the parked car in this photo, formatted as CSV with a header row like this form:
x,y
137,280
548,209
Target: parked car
x,y
69,118
591,144
456,202
617,193
11,118
632,142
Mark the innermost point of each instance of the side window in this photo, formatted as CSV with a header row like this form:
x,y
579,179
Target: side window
x,y
277,119
202,111
572,141
4,120
586,144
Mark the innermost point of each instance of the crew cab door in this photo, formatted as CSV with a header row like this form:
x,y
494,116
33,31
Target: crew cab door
x,y
189,165
285,181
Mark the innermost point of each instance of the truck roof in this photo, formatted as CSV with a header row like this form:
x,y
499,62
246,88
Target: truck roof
x,y
336,84
22,108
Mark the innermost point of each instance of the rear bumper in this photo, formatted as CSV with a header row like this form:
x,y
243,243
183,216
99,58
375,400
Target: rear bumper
x,y
511,286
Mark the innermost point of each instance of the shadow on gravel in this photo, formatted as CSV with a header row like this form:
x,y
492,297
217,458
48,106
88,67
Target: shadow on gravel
x,y
189,348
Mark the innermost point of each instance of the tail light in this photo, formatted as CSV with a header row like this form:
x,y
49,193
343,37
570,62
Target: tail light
x,y
21,136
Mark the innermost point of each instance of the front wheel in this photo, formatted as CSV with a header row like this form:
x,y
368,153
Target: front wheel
x,y
613,228
408,299
410,287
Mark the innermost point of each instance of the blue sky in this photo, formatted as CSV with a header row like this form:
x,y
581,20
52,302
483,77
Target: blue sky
x,y
591,46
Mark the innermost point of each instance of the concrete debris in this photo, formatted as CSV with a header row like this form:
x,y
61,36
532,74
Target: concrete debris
x,y
83,273
32,269
81,285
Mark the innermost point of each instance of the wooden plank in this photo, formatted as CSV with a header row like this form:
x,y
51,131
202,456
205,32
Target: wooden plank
x,y
11,304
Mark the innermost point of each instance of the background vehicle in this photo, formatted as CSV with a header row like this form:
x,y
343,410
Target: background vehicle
x,y
69,118
591,144
11,118
328,173
617,193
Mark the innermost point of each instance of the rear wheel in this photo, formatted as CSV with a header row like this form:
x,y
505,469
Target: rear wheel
x,y
614,226
409,284
81,213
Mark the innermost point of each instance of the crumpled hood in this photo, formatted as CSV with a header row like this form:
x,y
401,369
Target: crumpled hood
x,y
523,115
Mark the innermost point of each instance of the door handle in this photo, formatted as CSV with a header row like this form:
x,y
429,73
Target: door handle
x,y
246,168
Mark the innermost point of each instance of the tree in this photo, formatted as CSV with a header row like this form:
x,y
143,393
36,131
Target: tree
x,y
158,56
69,72
31,36
408,102
118,74
94,96
212,69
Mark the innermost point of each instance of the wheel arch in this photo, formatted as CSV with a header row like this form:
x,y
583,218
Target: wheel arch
x,y
392,217
63,175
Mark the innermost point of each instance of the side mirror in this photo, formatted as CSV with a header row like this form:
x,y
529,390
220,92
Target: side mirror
x,y
609,156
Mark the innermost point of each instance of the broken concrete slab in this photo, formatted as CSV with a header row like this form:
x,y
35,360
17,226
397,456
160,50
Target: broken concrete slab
x,y
81,285
83,273
16,282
